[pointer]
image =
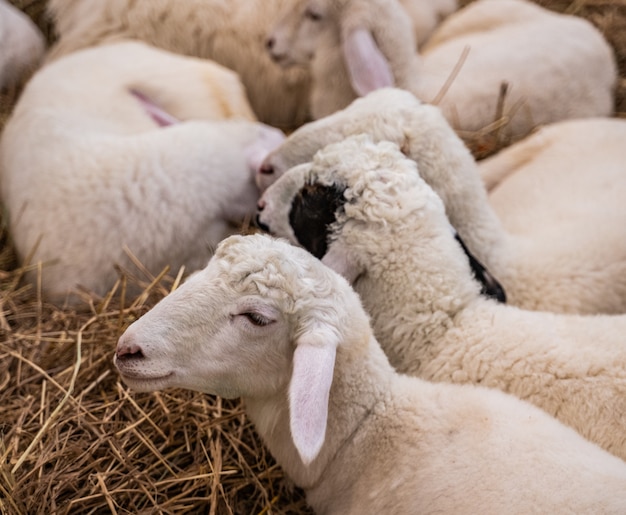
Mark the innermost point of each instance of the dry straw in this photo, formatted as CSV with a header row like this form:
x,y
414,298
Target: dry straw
x,y
74,440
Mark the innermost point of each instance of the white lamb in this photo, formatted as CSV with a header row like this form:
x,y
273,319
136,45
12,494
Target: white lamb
x,y
21,46
556,66
575,263
363,209
268,322
93,161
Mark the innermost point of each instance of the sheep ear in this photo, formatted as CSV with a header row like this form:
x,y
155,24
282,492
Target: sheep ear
x,y
339,261
311,379
161,117
367,66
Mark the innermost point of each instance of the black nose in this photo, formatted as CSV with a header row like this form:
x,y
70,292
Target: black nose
x,y
266,169
269,43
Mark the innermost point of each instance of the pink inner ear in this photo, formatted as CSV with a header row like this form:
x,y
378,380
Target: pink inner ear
x,y
312,377
161,117
367,66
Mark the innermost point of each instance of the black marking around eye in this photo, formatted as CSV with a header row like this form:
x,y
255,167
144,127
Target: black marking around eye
x,y
313,209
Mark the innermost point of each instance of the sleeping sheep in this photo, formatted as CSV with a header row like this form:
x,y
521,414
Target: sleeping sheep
x,y
574,262
95,166
554,66
22,46
231,33
363,209
268,322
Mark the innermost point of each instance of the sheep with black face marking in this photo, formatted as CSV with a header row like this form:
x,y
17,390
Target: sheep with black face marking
x,y
363,209
574,263
355,46
268,322
126,146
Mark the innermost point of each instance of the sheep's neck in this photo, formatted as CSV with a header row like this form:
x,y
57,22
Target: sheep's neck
x,y
360,382
448,167
411,313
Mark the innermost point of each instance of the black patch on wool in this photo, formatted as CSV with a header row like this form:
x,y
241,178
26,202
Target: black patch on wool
x,y
313,210
490,286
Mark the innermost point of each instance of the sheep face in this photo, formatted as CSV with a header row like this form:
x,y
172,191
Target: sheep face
x,y
214,334
384,114
263,320
296,36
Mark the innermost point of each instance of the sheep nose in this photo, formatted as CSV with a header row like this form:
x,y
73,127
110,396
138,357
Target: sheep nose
x,y
260,205
127,349
269,43
266,169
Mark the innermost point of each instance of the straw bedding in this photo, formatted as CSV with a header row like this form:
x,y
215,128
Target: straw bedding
x,y
74,439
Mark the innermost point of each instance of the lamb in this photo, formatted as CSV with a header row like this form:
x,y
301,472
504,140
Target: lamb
x,y
94,162
363,209
22,46
268,322
576,264
355,46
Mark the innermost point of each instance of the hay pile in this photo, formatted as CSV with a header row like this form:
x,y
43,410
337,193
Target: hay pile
x,y
74,440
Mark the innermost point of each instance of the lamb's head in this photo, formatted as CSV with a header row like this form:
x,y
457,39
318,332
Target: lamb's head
x,y
384,114
344,33
297,34
360,205
262,320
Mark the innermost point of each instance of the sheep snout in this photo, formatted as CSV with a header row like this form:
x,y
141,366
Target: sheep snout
x,y
127,349
267,140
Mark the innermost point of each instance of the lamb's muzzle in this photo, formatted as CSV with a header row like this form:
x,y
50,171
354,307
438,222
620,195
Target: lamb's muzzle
x,y
127,349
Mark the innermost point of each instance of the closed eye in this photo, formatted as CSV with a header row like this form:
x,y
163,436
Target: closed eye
x,y
312,15
257,319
